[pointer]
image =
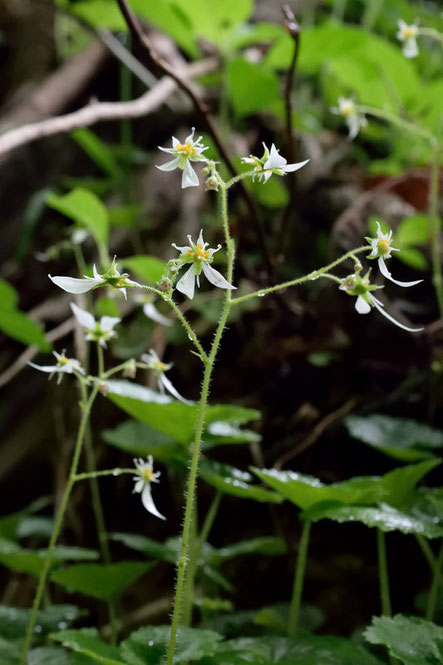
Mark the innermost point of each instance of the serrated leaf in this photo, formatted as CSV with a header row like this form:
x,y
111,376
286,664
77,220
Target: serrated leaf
x,y
84,208
169,416
401,438
383,517
149,269
86,642
101,581
148,645
15,620
140,440
411,639
30,561
232,481
221,433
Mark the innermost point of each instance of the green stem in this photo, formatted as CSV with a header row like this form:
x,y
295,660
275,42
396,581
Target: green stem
x,y
395,120
435,227
240,176
299,280
431,32
200,542
371,12
383,574
297,590
86,409
191,334
193,471
436,581
338,9
100,474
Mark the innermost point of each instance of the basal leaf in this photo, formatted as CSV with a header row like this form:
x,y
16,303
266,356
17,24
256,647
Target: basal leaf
x,y
412,640
29,561
167,551
251,87
140,440
99,580
14,620
86,642
230,480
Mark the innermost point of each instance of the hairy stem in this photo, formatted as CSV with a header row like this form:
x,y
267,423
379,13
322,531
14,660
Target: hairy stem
x,y
297,591
383,574
436,581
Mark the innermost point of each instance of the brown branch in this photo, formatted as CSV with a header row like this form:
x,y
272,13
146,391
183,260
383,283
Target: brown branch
x,y
316,433
139,36
100,111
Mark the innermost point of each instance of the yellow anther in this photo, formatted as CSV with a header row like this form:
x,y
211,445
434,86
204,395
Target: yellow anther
x,y
187,149
147,474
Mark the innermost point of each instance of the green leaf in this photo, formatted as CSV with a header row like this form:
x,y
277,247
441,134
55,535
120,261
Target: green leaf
x,y
31,561
148,645
126,216
147,268
98,151
167,551
140,440
412,640
48,656
272,194
216,19
86,642
402,438
232,481
8,295
17,325
10,651
384,517
169,416
15,620
399,483
414,258
413,230
266,545
98,580
251,87
84,208
221,433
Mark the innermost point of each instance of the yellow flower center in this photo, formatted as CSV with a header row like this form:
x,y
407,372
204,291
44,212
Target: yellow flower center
x,y
347,109
63,360
408,32
159,366
383,245
147,474
198,253
187,149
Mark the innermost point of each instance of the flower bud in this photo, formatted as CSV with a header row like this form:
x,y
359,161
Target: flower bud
x,y
164,284
211,184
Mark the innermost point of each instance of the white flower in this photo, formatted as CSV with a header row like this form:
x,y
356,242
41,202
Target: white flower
x,y
408,35
81,285
145,476
96,331
381,249
184,153
200,258
64,366
354,120
151,311
159,368
271,162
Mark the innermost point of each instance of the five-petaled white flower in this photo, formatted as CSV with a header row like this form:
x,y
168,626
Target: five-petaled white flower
x,y
145,476
184,154
81,285
96,331
407,34
354,285
354,120
200,258
159,368
271,163
381,249
64,366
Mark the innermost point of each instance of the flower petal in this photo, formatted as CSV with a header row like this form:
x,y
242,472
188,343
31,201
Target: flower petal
x,y
49,369
189,178
149,503
385,272
84,318
75,284
215,277
107,323
186,284
275,160
289,168
169,166
410,48
362,306
170,388
378,305
152,312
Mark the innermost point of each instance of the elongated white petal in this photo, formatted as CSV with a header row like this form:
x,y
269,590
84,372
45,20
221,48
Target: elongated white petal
x,y
362,306
149,503
186,284
170,388
215,277
410,48
385,272
84,318
152,312
169,166
200,240
353,124
289,168
75,284
189,177
138,487
170,151
49,369
107,323
275,161
378,305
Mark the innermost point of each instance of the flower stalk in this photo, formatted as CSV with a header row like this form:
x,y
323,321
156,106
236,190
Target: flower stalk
x,y
300,567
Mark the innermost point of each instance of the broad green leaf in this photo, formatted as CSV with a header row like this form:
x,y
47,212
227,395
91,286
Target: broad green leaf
x,y
17,325
169,416
305,650
125,216
400,483
413,230
230,480
8,295
14,620
31,561
414,258
84,208
251,87
10,651
35,525
97,150
215,19
167,551
383,517
86,642
137,439
266,545
99,580
401,438
272,194
147,268
221,433
148,645
48,656
412,640
10,524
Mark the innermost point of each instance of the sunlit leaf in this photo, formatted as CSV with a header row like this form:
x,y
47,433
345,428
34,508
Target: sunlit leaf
x,y
412,640
84,208
86,642
230,480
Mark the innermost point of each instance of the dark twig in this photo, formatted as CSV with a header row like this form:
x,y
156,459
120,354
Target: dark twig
x,y
294,30
143,40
